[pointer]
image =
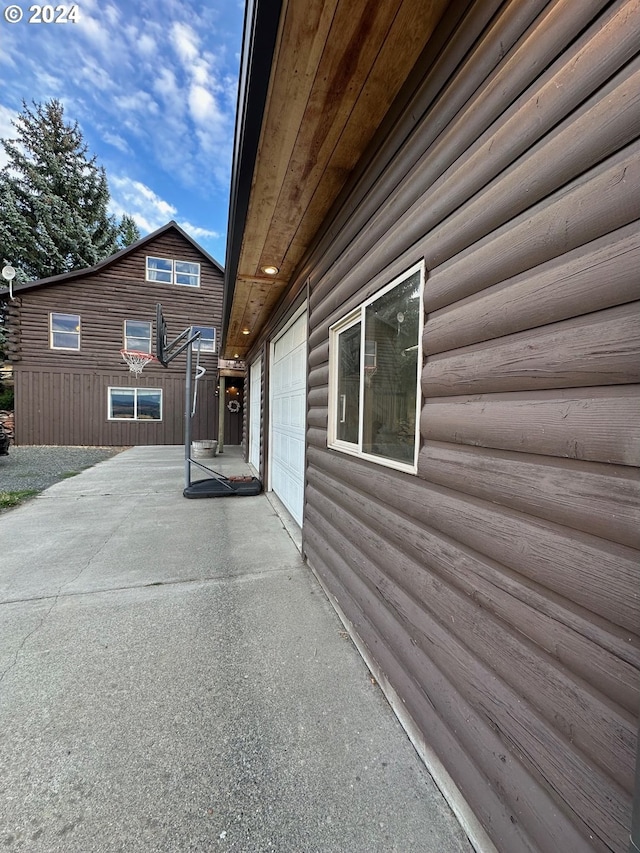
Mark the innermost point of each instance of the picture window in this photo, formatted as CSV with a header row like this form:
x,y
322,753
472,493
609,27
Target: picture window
x,y
135,404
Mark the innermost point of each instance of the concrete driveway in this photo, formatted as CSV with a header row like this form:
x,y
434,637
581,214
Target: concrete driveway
x,y
172,678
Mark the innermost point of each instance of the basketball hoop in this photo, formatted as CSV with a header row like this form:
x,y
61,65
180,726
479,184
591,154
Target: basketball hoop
x,y
370,371
137,360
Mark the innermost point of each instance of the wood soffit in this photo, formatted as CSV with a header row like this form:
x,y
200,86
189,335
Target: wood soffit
x,y
337,66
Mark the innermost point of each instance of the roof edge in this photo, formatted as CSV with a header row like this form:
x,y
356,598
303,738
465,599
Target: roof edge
x,y
261,26
106,262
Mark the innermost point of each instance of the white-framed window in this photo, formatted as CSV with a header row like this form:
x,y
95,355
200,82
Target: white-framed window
x,y
207,340
173,272
64,331
375,354
186,272
135,404
137,335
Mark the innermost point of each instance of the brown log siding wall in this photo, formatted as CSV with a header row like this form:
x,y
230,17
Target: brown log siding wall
x,y
61,396
498,590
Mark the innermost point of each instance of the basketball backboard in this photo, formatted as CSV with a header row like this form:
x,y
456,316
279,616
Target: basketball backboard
x,y
161,337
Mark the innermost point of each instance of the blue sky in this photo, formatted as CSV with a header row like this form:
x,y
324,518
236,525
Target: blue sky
x,y
152,84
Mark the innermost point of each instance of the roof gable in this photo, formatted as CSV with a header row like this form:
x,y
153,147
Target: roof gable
x,y
63,278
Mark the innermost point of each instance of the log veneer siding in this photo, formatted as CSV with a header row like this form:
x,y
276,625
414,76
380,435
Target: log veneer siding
x,y
498,591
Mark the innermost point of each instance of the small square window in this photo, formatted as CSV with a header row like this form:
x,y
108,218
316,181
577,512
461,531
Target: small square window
x,y
135,404
64,331
374,390
137,335
207,340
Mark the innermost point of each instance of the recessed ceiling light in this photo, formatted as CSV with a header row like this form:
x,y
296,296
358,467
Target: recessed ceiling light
x,y
245,331
270,270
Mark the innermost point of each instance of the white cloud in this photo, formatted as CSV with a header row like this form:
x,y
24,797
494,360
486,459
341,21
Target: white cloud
x,y
117,141
202,105
199,233
185,43
147,45
137,102
112,14
167,87
141,202
95,76
50,84
95,31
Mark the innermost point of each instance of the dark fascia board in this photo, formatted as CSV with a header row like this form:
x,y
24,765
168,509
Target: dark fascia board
x,y
106,262
261,24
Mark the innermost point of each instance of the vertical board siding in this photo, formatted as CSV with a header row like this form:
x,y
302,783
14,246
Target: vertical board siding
x,y
61,396
55,408
498,590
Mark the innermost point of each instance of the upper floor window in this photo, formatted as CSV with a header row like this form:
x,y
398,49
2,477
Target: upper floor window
x,y
137,335
64,331
374,378
207,340
173,272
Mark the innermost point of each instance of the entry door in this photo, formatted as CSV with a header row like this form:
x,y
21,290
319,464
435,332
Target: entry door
x,y
288,407
233,411
255,386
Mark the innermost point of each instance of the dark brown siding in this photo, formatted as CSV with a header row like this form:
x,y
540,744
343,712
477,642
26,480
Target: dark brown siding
x,y
61,396
498,589
54,407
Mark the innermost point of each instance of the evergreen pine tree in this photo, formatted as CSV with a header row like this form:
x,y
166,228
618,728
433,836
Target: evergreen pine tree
x,y
53,197
128,231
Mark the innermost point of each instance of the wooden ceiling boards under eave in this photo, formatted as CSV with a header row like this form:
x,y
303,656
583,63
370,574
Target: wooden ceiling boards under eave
x,y
337,67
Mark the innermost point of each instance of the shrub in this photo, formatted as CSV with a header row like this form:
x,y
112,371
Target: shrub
x,y
6,399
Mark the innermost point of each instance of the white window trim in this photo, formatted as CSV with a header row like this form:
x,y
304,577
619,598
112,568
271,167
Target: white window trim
x,y
51,331
125,336
134,420
348,322
173,262
351,319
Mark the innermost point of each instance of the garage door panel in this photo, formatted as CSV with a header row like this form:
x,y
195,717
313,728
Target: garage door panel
x,y
255,384
298,411
288,416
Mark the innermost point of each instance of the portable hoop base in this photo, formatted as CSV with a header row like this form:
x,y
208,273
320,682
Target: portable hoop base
x,y
223,487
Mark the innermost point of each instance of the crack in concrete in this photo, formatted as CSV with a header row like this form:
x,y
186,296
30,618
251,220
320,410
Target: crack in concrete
x,y
55,597
176,582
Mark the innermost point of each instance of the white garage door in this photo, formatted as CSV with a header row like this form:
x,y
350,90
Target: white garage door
x,y
288,407
255,377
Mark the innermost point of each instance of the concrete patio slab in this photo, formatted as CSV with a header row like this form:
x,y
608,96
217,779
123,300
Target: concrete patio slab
x,y
172,678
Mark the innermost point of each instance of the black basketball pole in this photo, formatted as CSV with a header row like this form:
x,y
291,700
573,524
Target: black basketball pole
x,y
216,485
187,418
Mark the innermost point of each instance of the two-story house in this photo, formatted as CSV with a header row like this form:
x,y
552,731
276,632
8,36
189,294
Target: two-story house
x,y
65,335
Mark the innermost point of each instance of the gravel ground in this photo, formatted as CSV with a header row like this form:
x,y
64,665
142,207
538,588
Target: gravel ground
x,y
38,467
